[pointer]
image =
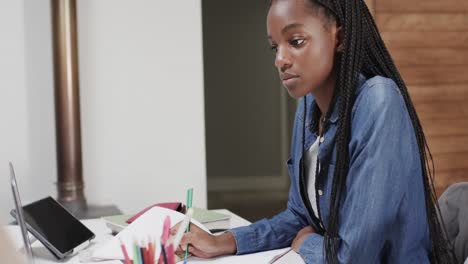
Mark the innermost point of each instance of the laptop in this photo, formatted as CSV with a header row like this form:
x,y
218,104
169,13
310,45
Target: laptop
x,y
20,215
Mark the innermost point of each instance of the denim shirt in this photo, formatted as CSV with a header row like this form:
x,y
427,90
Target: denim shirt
x,y
383,212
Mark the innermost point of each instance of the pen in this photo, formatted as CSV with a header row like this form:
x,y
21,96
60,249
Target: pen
x,y
189,198
183,226
189,206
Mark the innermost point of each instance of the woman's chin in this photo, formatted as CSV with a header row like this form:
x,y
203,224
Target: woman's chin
x,y
295,92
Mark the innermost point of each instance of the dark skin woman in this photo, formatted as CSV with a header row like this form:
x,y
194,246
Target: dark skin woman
x,y
373,200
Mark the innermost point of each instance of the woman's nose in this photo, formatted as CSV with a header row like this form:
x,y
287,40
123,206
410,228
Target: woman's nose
x,y
282,60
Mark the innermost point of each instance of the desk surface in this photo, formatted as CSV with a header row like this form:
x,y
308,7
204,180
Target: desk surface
x,y
42,255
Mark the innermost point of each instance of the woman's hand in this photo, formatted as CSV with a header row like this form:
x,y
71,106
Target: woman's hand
x,y
205,245
301,236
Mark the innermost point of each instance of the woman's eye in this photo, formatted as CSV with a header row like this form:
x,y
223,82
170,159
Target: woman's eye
x,y
274,48
297,42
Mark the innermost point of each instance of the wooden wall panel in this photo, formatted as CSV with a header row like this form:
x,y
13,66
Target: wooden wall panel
x,y
443,92
440,110
445,128
430,56
438,74
447,178
427,6
447,145
422,22
451,161
428,40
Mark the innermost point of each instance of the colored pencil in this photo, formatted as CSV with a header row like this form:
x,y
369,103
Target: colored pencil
x,y
125,253
163,253
136,259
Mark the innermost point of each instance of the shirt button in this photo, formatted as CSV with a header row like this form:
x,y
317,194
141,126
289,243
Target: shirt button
x,y
320,192
322,139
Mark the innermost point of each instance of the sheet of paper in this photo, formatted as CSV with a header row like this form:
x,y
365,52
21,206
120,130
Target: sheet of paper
x,y
255,258
102,262
147,226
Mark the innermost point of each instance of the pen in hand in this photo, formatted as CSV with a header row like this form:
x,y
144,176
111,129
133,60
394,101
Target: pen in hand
x,y
189,207
185,225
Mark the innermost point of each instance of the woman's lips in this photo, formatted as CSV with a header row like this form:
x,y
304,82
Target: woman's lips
x,y
289,81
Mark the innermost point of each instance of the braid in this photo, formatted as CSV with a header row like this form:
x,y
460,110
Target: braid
x,y
346,86
365,51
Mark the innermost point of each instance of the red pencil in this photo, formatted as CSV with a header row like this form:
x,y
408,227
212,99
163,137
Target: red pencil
x,y
151,253
125,253
170,254
148,257
144,252
166,230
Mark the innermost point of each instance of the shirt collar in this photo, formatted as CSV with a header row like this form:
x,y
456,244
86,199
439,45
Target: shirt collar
x,y
312,105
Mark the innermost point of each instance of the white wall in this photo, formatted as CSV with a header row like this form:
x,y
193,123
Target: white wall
x,y
141,101
26,102
13,140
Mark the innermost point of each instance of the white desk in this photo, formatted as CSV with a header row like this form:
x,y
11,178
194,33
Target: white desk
x,y
42,255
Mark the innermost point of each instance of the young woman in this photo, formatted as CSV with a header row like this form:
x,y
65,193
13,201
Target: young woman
x,y
361,185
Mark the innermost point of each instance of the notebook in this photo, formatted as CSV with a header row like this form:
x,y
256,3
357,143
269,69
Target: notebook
x,y
207,216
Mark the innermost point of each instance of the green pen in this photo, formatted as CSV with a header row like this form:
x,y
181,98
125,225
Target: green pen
x,y
189,205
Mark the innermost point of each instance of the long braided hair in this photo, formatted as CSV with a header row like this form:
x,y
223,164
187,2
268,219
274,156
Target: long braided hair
x,y
365,52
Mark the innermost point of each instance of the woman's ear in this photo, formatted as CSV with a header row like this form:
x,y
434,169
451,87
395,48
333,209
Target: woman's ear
x,y
339,39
